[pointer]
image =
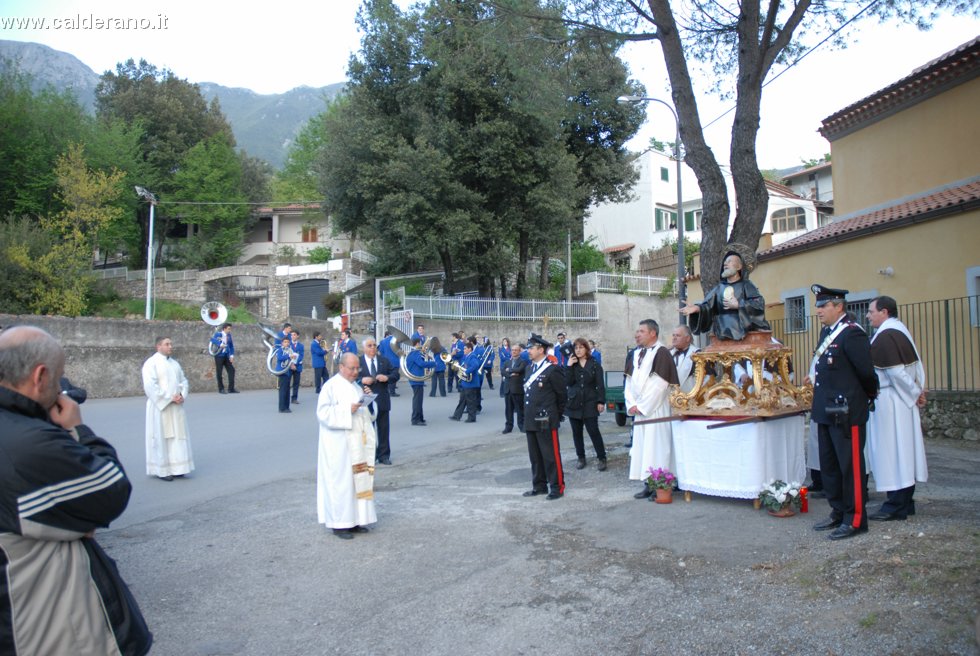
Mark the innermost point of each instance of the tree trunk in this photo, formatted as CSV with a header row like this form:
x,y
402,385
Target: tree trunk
x,y
543,273
522,256
447,269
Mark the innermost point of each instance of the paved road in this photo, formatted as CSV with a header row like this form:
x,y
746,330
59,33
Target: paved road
x,y
231,561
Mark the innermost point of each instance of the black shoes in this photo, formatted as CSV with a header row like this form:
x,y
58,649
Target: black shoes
x,y
470,421
646,492
343,533
166,478
602,465
419,423
887,517
233,391
507,430
385,461
553,495
455,418
580,464
532,493
360,529
284,411
222,392
843,532
827,524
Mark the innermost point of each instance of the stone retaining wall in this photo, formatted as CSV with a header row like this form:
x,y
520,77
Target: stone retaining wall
x,y
954,415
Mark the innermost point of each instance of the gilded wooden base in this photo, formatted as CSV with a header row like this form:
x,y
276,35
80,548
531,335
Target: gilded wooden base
x,y
717,393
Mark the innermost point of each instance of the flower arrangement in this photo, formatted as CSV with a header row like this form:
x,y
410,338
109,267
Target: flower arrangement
x,y
779,495
660,479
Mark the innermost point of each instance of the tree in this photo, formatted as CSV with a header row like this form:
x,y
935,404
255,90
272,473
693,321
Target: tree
x,y
59,282
297,180
174,117
473,139
739,43
215,211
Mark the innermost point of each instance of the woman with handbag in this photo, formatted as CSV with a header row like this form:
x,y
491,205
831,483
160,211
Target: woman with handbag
x,y
586,400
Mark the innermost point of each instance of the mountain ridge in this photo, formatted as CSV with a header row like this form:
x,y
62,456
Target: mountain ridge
x,y
264,125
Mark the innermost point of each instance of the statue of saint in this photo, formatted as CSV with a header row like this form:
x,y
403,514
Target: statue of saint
x,y
734,306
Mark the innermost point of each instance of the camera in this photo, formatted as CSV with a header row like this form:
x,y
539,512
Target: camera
x,y
837,410
567,350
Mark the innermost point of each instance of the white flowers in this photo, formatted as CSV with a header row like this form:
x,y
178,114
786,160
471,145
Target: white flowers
x,y
777,495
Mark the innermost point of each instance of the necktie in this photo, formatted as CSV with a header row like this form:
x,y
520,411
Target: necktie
x,y
678,355
643,352
373,369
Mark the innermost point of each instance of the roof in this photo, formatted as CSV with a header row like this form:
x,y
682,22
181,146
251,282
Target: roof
x,y
807,171
935,204
955,67
292,207
618,248
780,190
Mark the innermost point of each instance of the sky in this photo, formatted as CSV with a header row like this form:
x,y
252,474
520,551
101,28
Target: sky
x,y
276,46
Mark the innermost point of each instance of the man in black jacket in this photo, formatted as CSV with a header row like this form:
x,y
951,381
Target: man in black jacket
x,y
512,382
844,385
377,373
59,482
544,404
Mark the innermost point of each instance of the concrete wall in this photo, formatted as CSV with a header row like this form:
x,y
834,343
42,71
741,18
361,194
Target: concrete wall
x,y
105,356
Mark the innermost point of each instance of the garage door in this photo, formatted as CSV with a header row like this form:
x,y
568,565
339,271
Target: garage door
x,y
304,295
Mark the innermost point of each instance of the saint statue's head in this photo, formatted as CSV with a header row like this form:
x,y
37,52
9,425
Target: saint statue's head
x,y
739,260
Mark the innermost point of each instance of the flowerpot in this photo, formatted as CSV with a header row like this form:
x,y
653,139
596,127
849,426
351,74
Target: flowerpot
x,y
665,496
782,512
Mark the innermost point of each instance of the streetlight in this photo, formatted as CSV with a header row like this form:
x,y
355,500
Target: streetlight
x,y
152,200
681,286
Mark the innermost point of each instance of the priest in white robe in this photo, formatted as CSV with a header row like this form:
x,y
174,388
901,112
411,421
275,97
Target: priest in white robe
x,y
895,450
168,442
345,460
646,394
682,351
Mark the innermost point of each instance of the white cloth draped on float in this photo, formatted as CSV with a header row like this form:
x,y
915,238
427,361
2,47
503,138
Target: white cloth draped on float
x,y
345,457
895,449
648,392
168,443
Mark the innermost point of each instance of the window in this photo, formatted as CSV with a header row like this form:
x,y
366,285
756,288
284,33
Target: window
x,y
309,234
788,219
796,314
692,220
664,220
664,174
824,219
973,291
858,310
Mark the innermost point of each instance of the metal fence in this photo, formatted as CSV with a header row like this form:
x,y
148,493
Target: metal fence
x,y
498,309
946,333
597,281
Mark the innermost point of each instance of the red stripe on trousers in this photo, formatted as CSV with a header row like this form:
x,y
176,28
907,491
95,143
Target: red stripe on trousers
x,y
856,467
561,474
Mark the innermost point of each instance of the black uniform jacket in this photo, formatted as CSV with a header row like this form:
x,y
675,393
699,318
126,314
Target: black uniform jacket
x,y
544,397
513,374
586,389
845,369
383,403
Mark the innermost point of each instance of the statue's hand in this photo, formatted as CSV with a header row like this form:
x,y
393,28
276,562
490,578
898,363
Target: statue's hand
x,y
688,310
730,303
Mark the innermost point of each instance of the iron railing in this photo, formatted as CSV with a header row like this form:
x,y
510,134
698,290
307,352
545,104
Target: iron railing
x,y
946,333
598,281
498,309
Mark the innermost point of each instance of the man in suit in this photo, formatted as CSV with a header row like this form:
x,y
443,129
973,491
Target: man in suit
x,y
416,364
544,404
318,355
469,385
844,386
224,359
377,373
300,351
512,380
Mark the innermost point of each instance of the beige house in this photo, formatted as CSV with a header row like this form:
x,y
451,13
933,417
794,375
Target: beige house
x,y
290,230
906,180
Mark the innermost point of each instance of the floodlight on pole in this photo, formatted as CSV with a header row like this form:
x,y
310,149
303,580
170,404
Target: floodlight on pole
x,y
152,200
681,286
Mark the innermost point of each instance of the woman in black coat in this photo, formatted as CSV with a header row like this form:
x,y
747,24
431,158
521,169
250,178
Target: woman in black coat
x,y
586,399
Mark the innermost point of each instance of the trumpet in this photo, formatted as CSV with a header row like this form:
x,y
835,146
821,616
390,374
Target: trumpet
x,y
455,366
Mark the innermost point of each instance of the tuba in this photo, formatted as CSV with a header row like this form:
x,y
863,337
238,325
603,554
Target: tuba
x,y
272,343
214,314
426,347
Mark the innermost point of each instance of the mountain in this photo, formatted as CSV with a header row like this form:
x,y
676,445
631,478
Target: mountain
x,y
263,124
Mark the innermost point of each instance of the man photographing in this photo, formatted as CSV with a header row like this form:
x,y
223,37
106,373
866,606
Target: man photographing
x,y
59,482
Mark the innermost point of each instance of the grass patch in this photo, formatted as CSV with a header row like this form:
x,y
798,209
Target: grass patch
x,y
868,620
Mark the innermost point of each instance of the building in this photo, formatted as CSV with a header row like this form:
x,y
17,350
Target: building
x,y
906,180
290,232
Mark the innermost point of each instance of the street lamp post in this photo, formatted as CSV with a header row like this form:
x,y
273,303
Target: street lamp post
x,y
681,285
152,200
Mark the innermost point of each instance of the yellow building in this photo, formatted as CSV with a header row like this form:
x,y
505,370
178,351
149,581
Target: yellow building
x,y
906,172
906,175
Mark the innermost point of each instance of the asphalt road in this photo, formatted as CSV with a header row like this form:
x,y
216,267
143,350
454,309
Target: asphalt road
x,y
231,560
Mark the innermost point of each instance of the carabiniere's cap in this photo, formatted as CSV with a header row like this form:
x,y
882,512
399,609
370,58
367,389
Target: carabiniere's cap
x,y
826,294
537,340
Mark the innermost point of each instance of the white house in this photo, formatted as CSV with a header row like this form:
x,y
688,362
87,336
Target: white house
x,y
624,230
